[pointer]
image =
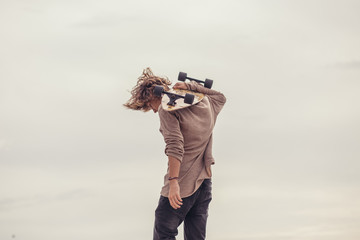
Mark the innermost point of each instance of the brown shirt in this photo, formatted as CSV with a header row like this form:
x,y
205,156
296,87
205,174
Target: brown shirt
x,y
188,136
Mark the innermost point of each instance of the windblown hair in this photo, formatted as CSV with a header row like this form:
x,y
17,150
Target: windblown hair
x,y
142,93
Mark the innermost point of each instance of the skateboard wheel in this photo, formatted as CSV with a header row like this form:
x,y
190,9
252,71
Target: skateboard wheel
x,y
158,90
182,76
208,83
189,98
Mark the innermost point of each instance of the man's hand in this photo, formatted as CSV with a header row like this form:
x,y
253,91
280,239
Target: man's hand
x,y
180,85
174,194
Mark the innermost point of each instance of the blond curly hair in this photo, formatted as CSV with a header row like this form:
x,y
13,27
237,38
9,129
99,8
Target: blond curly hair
x,y
142,93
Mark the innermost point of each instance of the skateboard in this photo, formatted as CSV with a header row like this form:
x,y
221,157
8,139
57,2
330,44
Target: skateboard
x,y
183,76
175,99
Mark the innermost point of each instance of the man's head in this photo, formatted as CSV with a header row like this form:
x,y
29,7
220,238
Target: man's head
x,y
142,95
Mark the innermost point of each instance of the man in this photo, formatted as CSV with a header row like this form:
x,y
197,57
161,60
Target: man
x,y
187,132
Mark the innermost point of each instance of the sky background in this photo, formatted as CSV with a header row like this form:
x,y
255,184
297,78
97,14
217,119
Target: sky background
x,y
76,165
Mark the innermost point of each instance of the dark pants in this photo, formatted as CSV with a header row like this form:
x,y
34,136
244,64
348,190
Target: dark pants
x,y
193,212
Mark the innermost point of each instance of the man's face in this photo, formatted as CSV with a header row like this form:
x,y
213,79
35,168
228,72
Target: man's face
x,y
154,104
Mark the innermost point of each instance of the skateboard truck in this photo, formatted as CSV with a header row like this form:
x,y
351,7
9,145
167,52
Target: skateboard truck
x,y
188,98
183,76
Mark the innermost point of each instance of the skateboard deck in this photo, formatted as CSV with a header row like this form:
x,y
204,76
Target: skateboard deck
x,y
180,102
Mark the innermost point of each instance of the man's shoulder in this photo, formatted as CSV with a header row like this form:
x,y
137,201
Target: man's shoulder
x,y
163,114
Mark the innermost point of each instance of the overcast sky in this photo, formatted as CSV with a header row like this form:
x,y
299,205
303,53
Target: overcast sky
x,y
76,165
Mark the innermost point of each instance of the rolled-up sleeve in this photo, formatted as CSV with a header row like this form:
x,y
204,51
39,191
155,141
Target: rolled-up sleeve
x,y
170,129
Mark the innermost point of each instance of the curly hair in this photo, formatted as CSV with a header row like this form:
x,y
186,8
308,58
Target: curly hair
x,y
142,93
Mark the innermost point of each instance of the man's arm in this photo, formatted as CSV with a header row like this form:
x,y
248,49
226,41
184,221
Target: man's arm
x,y
170,128
217,98
174,191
